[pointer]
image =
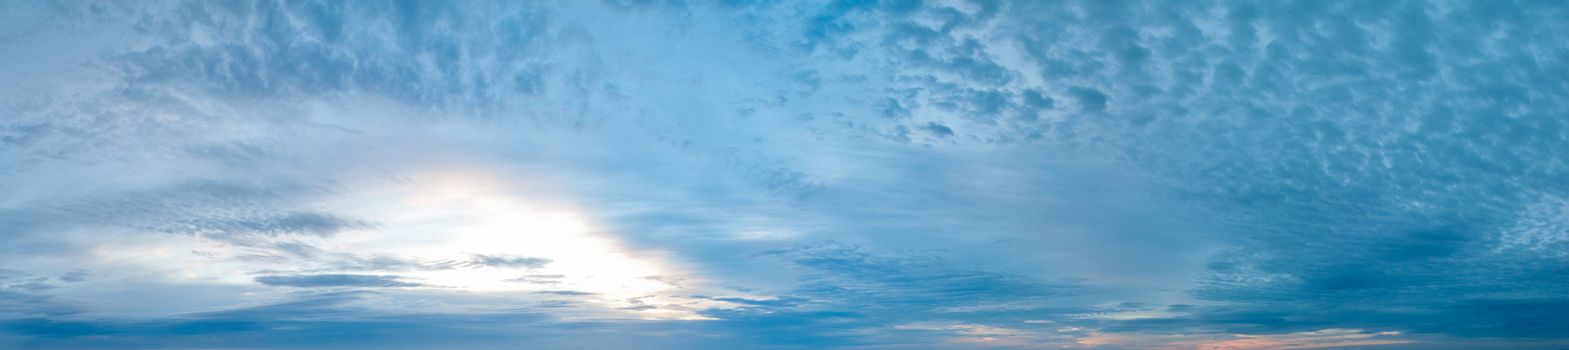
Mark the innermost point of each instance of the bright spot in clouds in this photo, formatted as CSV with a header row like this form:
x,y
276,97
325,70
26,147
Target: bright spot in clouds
x,y
815,174
465,219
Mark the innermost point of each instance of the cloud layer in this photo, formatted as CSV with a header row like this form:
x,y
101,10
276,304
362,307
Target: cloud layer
x,y
825,174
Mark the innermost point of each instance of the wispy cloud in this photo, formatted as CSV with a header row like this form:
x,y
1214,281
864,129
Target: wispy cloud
x,y
335,280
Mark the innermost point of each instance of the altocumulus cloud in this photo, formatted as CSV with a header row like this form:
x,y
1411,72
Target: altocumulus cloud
x,y
764,175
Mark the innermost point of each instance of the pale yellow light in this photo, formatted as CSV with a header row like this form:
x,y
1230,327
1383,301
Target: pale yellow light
x,y
454,218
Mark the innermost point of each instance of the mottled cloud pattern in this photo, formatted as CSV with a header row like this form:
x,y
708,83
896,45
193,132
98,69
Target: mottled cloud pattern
x,y
967,174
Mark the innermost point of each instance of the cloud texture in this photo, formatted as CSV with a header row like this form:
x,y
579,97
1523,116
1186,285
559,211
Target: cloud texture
x,y
775,175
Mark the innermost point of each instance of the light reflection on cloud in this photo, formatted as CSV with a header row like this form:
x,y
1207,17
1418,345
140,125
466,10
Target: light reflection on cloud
x,y
453,219
818,174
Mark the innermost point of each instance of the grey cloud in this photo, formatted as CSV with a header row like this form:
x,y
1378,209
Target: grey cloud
x,y
330,320
29,304
220,210
385,262
939,130
479,260
74,276
568,293
1089,100
847,274
538,279
781,302
335,280
277,224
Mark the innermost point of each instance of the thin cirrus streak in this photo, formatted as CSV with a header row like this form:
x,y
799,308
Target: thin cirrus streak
x,y
970,174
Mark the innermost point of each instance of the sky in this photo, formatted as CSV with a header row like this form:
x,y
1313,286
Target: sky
x,y
846,174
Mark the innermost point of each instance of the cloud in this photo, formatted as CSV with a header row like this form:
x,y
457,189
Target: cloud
x,y
569,293
1089,100
539,279
14,304
507,261
844,273
335,280
939,130
924,174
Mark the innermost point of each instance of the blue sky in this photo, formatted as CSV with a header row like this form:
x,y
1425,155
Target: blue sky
x,y
961,174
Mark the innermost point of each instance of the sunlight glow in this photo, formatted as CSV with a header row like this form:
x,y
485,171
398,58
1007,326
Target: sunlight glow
x,y
458,221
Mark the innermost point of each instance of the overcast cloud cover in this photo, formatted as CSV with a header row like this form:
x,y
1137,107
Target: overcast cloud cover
x,y
966,174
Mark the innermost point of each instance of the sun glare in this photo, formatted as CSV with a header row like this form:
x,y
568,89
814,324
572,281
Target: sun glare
x,y
499,242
